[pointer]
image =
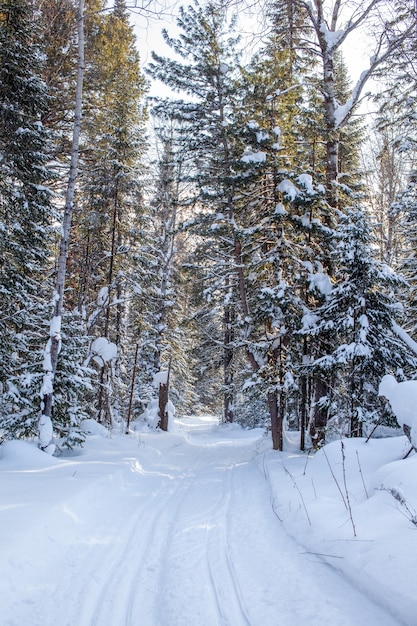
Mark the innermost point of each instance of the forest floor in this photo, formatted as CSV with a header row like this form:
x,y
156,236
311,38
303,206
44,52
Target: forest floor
x,y
191,528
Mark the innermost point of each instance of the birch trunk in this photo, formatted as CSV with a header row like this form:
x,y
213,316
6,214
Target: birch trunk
x,y
45,427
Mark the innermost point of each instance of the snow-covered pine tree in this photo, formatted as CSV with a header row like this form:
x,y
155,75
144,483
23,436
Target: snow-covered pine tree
x,y
406,210
283,259
114,143
57,38
206,73
161,295
360,311
26,215
276,84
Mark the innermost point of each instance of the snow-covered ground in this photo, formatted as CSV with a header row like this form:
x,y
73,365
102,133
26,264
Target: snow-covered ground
x,y
206,526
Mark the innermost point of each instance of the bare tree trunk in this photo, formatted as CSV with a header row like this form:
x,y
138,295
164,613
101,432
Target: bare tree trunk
x,y
276,422
52,349
319,419
228,361
132,388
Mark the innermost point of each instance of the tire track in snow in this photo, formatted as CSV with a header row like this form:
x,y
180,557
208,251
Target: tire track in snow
x,y
104,564
189,595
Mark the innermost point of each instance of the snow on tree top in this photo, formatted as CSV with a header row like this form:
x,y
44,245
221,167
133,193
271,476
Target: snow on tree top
x,y
104,349
332,37
103,296
261,136
160,378
307,181
321,282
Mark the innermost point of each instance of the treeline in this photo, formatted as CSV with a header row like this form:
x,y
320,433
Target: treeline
x,y
266,257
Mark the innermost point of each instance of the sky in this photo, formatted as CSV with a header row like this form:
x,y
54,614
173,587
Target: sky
x,y
149,38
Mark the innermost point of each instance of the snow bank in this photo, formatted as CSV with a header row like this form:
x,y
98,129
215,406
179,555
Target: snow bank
x,y
23,455
353,504
91,427
403,400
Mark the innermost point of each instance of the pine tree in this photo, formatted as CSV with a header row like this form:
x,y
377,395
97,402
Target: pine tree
x,y
406,209
360,311
57,39
159,299
206,73
113,146
26,213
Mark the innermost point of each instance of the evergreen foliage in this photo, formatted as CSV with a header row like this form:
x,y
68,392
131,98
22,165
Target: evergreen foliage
x,y
26,212
246,262
110,194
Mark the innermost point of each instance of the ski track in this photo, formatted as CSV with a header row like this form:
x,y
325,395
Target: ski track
x,y
225,582
191,542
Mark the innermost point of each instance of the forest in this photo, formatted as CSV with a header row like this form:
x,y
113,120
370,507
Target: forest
x,y
248,240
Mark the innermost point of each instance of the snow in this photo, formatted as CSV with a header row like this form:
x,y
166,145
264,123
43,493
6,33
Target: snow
x,y
193,527
402,397
104,350
261,136
402,334
341,111
288,188
46,432
332,37
321,282
307,181
280,210
254,157
103,296
160,378
55,328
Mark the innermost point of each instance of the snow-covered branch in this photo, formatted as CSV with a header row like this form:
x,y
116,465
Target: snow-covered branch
x,y
405,337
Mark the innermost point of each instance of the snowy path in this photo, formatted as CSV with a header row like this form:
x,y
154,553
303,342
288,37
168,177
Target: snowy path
x,y
170,530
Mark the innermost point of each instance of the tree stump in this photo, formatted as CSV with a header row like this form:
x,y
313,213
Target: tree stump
x,y
163,406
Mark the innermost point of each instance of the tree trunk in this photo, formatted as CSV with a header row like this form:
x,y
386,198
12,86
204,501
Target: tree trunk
x,y
407,431
228,354
52,349
132,388
276,421
163,402
319,419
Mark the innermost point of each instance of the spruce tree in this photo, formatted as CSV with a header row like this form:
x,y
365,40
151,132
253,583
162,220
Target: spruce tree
x,y
360,311
110,193
26,213
406,209
206,72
